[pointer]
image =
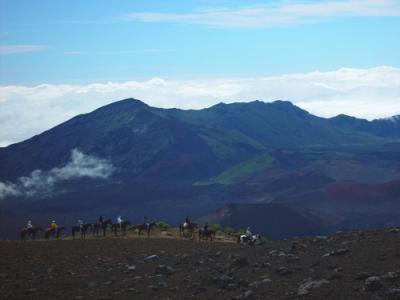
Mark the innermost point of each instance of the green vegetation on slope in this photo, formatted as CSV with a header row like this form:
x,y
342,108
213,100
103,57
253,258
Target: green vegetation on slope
x,y
255,164
229,144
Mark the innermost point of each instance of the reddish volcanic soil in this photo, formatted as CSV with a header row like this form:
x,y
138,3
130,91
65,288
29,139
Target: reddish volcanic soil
x,y
335,267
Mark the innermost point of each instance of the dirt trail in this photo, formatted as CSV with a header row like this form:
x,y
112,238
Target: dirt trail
x,y
336,267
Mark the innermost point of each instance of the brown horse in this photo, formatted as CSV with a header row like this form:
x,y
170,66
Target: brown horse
x,y
48,232
190,227
26,232
144,227
206,234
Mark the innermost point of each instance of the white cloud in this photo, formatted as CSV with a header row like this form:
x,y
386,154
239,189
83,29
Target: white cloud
x,y
119,52
43,182
282,14
366,93
14,49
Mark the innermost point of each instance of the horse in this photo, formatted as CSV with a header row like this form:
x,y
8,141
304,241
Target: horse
x,y
144,227
48,232
101,226
191,227
82,229
30,232
123,226
249,240
206,234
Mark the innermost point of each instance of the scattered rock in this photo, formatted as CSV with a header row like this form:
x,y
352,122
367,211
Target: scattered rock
x,y
373,283
391,275
309,285
222,281
165,270
284,271
158,286
131,268
337,252
240,261
248,294
393,294
151,258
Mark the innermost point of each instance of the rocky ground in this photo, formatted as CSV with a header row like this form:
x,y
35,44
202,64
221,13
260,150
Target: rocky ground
x,y
356,265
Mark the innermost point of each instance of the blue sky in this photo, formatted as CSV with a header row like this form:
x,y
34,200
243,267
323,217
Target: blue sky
x,y
62,58
82,41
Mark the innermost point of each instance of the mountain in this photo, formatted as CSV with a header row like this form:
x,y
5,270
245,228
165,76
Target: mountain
x,y
134,159
389,127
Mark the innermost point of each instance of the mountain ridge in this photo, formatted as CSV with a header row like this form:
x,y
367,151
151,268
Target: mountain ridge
x,y
169,162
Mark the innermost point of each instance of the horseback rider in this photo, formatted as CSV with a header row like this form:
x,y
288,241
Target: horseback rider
x,y
187,222
205,227
248,233
119,221
80,224
145,222
29,225
53,227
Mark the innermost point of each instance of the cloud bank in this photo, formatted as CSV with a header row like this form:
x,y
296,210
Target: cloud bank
x,y
282,14
42,183
365,93
13,49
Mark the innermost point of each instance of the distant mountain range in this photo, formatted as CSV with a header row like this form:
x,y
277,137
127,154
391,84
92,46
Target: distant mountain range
x,y
132,159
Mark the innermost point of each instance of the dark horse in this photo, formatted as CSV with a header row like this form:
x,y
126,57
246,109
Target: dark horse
x,y
80,229
48,232
124,227
101,226
190,227
206,234
144,227
30,232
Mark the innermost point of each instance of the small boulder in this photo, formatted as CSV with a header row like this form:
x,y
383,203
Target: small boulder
x,y
373,283
151,258
222,281
283,271
309,285
165,270
131,268
248,294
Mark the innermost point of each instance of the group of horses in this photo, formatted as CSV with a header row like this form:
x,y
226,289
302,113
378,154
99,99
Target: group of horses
x,y
191,228
100,229
97,229
48,232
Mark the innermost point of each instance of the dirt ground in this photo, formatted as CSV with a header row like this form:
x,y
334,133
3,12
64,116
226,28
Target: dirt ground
x,y
334,267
